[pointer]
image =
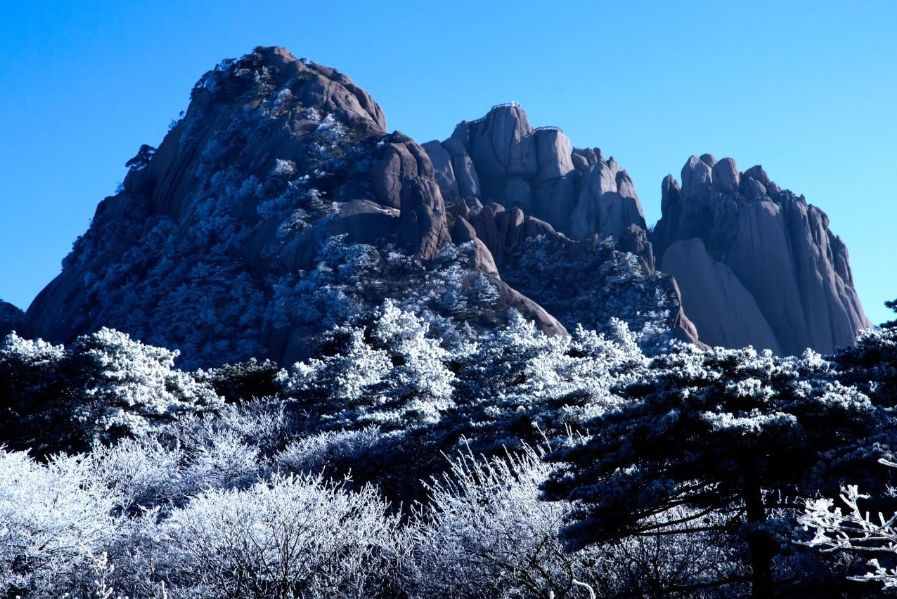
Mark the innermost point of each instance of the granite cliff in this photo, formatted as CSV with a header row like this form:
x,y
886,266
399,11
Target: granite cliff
x,y
11,318
756,263
279,206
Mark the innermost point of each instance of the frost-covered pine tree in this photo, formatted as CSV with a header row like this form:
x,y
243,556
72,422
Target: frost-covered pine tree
x,y
892,324
724,432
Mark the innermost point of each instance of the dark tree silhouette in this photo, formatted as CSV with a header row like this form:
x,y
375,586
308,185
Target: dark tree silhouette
x,y
723,433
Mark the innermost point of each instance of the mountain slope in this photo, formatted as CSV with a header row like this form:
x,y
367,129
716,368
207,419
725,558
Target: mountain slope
x,y
11,318
279,207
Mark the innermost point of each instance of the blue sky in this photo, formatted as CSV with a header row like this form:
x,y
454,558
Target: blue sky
x,y
808,89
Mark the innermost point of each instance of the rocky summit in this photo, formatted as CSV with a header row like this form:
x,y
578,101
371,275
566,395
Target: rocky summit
x,y
279,207
756,263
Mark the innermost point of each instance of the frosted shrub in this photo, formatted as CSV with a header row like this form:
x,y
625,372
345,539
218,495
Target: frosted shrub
x,y
225,462
139,472
261,423
132,387
486,534
319,451
851,529
295,536
52,518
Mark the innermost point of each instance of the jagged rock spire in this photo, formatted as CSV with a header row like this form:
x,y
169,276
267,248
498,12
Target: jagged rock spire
x,y
757,264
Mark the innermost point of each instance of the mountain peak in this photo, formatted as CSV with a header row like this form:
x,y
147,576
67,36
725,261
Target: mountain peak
x,y
738,243
279,207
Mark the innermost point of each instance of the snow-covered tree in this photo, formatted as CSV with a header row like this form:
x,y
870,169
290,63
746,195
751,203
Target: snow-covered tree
x,y
893,306
391,374
728,432
130,387
104,386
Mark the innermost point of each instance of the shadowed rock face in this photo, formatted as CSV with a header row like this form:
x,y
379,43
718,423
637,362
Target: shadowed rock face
x,y
11,318
563,225
756,264
501,158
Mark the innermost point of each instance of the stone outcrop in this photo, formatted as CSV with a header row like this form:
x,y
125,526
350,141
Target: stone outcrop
x,y
423,227
584,282
500,158
756,264
11,319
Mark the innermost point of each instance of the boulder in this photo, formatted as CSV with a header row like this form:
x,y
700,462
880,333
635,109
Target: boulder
x,y
502,143
696,175
422,227
725,176
554,151
604,207
462,231
398,159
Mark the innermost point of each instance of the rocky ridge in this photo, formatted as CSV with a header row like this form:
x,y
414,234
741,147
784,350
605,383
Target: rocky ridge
x,y
756,263
11,318
279,207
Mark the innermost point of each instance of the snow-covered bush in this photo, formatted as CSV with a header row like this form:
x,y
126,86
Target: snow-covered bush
x,y
53,518
290,537
485,532
851,529
316,452
139,472
226,462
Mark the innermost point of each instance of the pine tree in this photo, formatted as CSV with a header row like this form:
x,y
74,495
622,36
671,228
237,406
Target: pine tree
x,y
725,433
892,324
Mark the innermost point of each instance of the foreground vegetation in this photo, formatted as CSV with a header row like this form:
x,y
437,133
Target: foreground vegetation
x,y
398,464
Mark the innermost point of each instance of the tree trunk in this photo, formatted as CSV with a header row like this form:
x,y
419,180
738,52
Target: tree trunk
x,y
759,544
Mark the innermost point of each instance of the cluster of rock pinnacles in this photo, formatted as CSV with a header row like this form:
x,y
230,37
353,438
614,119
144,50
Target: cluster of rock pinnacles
x,y
755,264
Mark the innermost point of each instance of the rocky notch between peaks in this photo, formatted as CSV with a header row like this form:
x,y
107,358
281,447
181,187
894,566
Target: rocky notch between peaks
x,y
279,207
757,264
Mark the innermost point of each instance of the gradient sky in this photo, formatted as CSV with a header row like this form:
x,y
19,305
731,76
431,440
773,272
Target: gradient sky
x,y
808,89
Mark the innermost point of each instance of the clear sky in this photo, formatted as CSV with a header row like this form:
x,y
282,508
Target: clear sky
x,y
806,88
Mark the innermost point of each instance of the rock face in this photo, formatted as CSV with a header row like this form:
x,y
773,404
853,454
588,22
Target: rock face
x,y
756,264
279,207
501,158
276,208
11,318
563,225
